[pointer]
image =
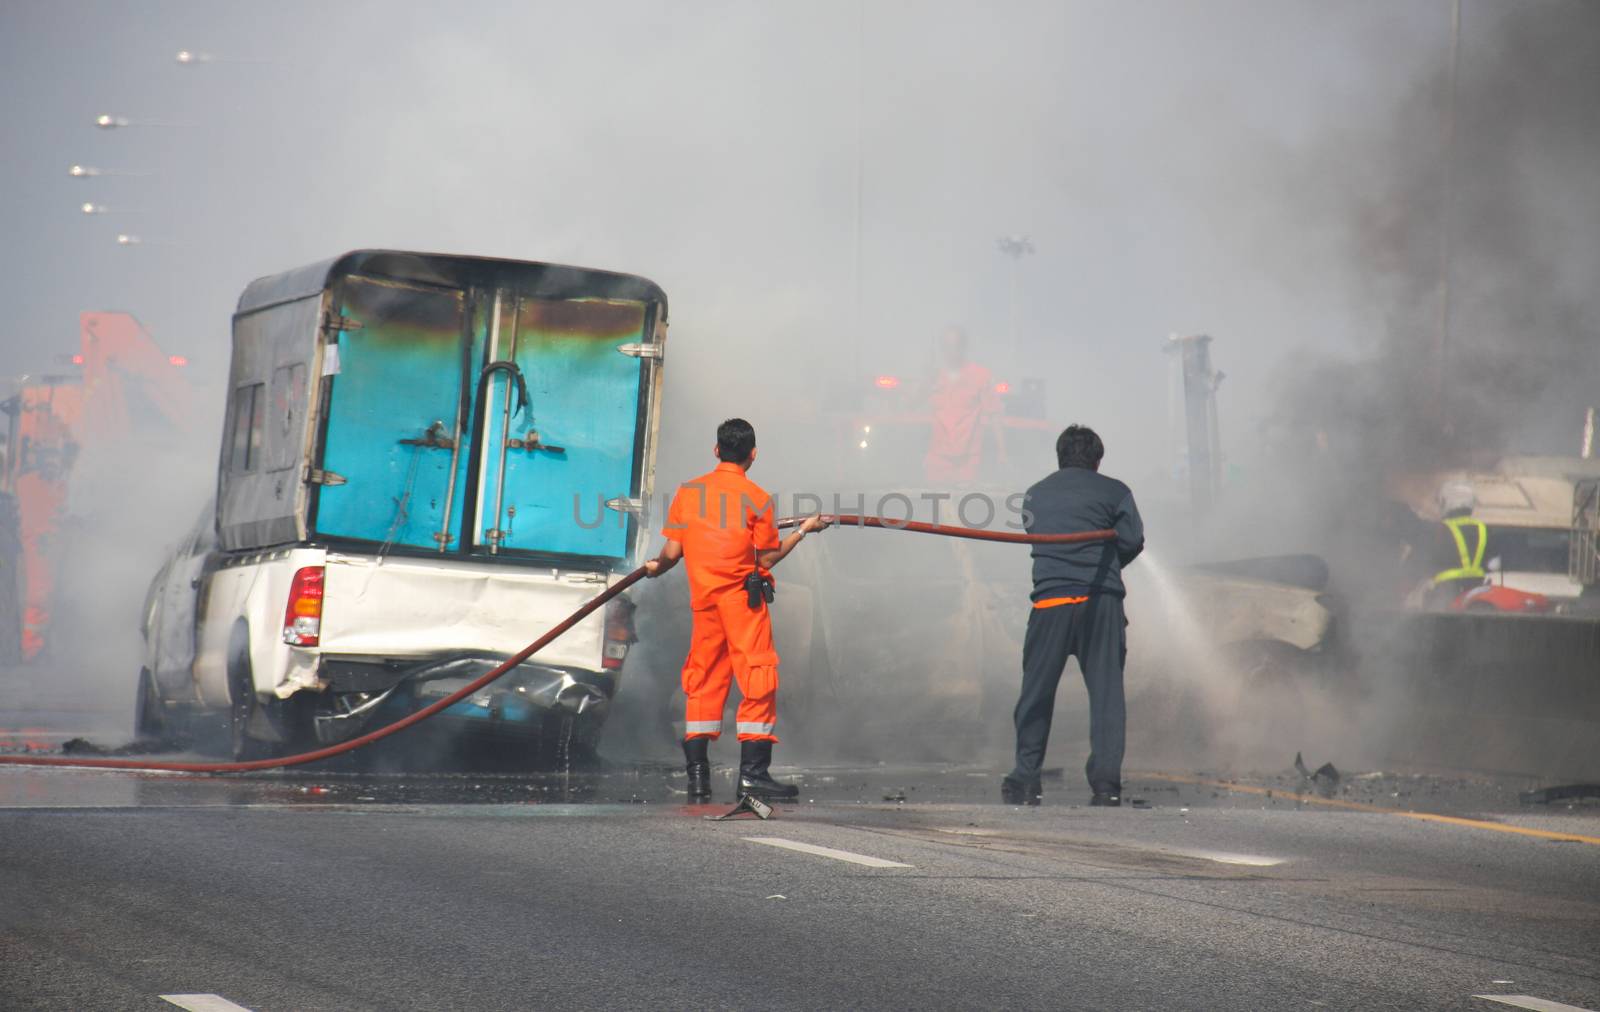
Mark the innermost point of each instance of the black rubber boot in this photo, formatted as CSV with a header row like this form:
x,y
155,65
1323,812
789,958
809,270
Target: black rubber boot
x,y
1020,792
694,750
755,757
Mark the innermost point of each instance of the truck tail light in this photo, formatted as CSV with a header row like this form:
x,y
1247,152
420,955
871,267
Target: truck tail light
x,y
619,634
302,619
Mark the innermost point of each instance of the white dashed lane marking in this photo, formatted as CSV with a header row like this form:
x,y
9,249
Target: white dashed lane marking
x,y
837,855
1225,857
203,1003
1530,1002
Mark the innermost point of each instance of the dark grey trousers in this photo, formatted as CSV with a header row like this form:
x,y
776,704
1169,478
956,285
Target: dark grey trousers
x,y
1095,633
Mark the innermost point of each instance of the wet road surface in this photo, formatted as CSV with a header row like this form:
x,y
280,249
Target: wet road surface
x,y
354,890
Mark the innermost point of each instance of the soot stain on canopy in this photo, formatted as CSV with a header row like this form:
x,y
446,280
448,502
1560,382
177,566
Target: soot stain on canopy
x,y
586,320
396,313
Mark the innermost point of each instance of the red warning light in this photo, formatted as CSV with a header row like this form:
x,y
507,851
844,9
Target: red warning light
x,y
886,382
177,360
77,360
1002,388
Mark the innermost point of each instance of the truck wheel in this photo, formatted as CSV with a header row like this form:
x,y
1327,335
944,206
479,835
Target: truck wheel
x,y
149,715
242,702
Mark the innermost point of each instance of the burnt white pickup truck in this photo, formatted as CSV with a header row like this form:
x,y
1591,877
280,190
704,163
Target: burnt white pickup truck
x,y
426,461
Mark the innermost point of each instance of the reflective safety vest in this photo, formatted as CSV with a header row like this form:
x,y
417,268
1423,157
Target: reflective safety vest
x,y
1471,567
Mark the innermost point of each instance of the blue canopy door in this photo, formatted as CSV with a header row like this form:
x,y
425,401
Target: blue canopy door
x,y
395,415
563,404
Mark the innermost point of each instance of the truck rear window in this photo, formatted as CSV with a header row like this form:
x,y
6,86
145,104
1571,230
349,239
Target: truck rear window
x,y
249,406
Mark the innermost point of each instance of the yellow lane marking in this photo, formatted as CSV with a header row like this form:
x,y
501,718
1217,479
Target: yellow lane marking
x,y
1359,806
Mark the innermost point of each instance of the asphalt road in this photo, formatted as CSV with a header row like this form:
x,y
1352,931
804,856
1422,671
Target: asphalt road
x,y
320,891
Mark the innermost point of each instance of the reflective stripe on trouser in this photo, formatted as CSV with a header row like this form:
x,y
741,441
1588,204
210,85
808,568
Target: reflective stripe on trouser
x,y
731,643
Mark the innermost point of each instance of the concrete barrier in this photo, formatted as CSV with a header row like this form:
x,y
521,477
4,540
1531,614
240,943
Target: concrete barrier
x,y
1501,693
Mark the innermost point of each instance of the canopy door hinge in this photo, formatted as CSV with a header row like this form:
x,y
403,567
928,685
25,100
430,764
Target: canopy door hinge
x,y
333,324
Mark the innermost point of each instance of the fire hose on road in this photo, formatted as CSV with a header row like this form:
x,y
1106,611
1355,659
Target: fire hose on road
x,y
554,633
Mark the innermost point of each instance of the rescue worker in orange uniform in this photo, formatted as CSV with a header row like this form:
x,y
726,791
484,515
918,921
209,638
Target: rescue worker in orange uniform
x,y
964,405
722,524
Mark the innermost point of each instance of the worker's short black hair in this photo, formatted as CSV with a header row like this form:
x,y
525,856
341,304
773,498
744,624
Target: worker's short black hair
x,y
1078,446
736,440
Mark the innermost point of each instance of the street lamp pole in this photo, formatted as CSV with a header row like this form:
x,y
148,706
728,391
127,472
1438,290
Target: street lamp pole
x,y
194,58
128,239
1016,247
87,171
856,329
106,121
1441,339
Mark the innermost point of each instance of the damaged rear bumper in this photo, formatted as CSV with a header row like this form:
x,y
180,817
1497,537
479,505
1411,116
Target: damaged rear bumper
x,y
364,695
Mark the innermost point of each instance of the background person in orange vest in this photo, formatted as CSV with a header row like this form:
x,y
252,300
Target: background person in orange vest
x,y
964,405
722,524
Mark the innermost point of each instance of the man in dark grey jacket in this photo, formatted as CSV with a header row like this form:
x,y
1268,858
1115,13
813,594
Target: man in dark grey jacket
x,y
1077,611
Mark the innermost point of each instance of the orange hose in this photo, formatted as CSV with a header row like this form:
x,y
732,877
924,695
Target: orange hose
x,y
951,531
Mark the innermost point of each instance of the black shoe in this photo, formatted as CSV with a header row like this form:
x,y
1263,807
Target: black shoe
x,y
1020,792
755,757
1106,801
694,750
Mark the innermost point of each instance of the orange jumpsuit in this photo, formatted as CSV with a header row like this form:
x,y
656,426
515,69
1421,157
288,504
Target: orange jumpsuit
x,y
722,519
962,401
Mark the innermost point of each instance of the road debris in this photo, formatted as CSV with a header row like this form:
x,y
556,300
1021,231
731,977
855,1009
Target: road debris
x,y
747,804
1325,779
1565,792
83,746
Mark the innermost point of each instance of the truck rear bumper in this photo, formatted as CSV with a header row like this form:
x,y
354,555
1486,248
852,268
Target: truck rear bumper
x,y
516,704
